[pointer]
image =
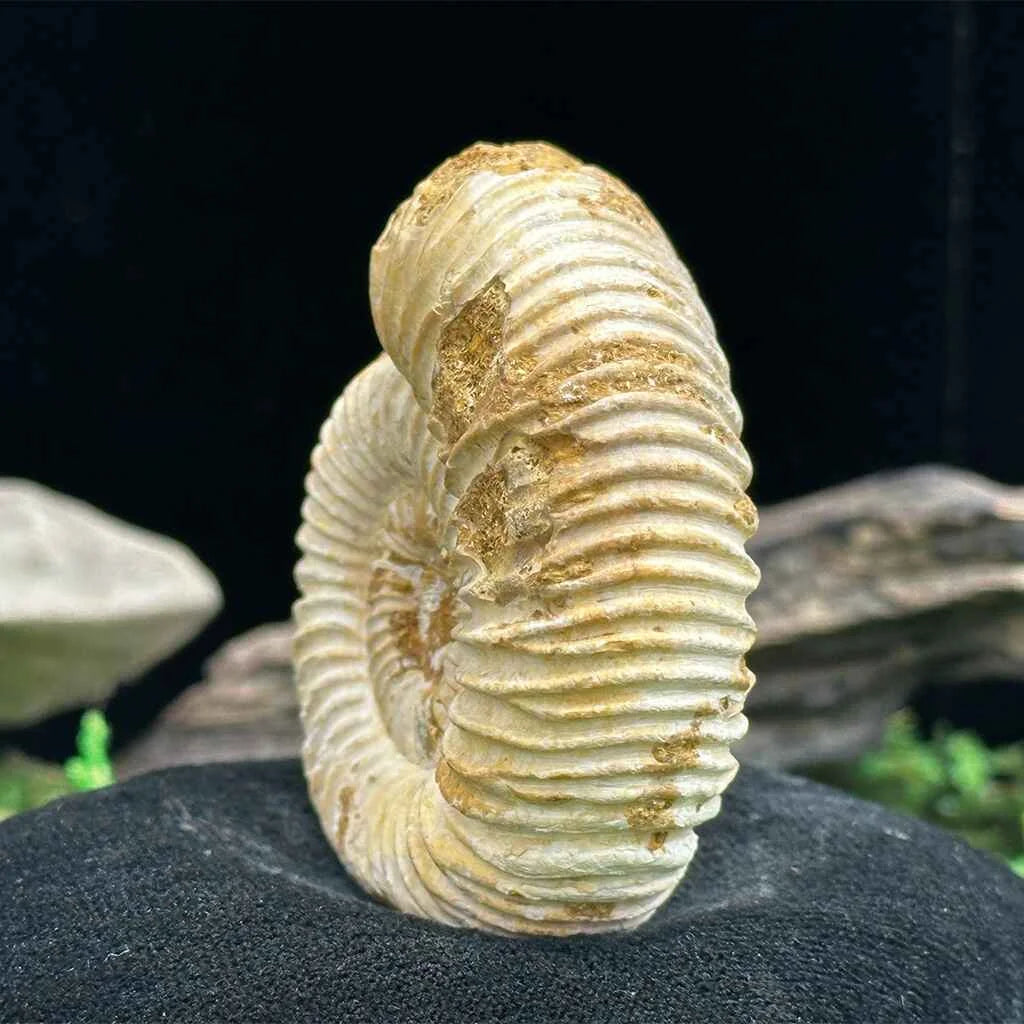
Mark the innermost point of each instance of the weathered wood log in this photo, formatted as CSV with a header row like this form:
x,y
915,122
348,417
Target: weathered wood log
x,y
245,708
869,590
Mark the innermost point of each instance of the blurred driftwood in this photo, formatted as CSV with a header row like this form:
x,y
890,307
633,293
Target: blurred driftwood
x,y
872,588
244,709
869,589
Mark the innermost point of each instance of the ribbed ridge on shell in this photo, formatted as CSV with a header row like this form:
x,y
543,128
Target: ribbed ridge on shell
x,y
521,633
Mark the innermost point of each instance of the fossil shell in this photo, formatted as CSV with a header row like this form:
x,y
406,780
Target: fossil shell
x,y
521,636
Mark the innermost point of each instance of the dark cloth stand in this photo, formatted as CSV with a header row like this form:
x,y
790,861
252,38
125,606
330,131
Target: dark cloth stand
x,y
209,894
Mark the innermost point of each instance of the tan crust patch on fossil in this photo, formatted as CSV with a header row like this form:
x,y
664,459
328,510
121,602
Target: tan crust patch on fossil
x,y
344,810
722,436
440,624
614,196
455,791
468,349
747,513
384,579
590,911
419,644
420,628
681,750
557,447
549,382
563,572
482,516
405,627
633,376
745,678
657,841
508,505
652,812
446,180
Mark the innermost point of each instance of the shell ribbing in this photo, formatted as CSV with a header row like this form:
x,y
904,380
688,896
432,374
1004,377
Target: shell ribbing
x,y
521,633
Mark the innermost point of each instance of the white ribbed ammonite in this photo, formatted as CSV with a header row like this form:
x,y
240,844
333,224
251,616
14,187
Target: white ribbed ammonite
x,y
521,632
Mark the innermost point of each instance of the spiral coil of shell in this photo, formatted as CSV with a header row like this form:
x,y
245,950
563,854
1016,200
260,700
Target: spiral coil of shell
x,y
520,640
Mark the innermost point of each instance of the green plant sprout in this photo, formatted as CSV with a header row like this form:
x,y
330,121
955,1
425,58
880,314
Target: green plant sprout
x,y
951,779
90,768
27,782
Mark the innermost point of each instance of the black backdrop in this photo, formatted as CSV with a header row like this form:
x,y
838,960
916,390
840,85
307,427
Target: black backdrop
x,y
189,195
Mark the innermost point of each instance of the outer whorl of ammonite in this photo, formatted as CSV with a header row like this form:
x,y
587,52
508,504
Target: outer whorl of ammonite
x,y
521,636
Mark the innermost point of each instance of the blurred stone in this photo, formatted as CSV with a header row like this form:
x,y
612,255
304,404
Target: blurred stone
x,y
86,601
869,590
246,708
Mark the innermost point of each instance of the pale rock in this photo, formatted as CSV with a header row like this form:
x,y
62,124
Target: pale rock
x,y
86,601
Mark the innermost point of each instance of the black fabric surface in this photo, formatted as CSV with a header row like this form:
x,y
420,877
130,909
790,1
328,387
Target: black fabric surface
x,y
208,894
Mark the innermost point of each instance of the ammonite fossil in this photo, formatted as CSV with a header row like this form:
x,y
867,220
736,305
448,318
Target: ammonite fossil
x,y
521,632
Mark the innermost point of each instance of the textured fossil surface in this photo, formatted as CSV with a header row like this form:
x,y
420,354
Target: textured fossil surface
x,y
520,642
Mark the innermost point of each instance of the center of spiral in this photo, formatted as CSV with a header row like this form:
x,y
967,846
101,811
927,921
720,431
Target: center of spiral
x,y
410,618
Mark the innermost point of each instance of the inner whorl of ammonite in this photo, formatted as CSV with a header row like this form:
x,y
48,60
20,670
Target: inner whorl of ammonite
x,y
410,615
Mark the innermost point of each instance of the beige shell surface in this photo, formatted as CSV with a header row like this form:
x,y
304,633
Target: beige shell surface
x,y
521,633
